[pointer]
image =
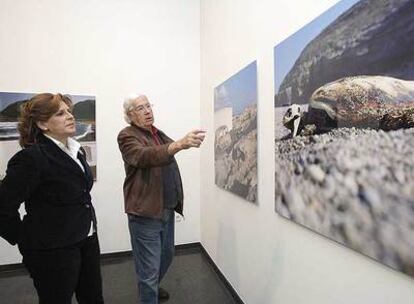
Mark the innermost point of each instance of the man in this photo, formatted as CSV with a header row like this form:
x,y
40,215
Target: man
x,y
152,192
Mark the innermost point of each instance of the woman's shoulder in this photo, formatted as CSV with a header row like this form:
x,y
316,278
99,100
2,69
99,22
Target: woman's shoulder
x,y
23,159
25,165
27,154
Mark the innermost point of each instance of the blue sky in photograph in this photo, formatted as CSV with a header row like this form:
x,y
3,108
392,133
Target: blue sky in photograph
x,y
7,98
239,91
287,52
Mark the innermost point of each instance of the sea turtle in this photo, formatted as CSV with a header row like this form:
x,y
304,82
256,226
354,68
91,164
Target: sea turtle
x,y
377,102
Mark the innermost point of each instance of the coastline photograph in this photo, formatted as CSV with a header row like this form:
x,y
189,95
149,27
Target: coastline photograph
x,y
235,126
83,110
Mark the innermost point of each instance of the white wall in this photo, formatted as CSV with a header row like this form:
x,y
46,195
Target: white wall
x,y
110,49
266,258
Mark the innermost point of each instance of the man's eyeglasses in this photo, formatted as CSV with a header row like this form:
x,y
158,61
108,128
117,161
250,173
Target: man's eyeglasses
x,y
142,108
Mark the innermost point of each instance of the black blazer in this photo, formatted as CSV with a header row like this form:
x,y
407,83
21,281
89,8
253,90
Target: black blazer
x,y
56,193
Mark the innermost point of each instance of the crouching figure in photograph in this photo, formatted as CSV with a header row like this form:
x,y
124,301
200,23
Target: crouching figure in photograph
x,y
58,234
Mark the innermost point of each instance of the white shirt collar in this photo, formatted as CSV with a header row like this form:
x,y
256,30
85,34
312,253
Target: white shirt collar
x,y
72,147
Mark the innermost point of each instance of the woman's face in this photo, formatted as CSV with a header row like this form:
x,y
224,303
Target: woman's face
x,y
60,125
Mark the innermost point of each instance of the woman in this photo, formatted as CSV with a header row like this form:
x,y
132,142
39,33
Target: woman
x,y
57,236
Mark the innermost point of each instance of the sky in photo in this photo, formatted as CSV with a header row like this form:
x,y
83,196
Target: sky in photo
x,y
287,52
239,91
7,98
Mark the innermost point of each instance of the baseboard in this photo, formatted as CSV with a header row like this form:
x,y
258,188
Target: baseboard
x,y
12,269
221,276
114,257
189,248
109,258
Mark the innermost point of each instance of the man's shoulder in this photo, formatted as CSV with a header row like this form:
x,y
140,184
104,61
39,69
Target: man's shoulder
x,y
130,131
127,129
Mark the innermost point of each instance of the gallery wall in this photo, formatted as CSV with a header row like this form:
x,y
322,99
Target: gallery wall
x,y
110,49
265,257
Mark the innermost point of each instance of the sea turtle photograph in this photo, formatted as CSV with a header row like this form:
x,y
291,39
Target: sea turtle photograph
x,y
344,128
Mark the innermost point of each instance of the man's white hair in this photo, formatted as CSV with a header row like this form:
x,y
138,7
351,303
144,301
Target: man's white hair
x,y
128,104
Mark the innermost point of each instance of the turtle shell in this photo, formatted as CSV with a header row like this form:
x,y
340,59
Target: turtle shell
x,y
377,102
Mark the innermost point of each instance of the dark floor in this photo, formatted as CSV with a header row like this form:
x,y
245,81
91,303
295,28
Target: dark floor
x,y
190,280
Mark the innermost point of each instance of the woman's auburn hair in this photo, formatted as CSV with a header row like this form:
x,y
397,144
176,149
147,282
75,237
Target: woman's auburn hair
x,y
39,108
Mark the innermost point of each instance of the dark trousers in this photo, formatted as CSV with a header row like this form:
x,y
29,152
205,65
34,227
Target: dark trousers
x,y
59,273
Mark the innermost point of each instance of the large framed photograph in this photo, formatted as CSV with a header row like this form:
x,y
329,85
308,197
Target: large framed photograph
x,y
83,110
344,136
235,125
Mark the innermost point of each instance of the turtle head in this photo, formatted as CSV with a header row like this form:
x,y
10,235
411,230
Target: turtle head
x,y
292,118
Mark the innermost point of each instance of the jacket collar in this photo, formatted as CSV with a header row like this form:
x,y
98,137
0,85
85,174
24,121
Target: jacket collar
x,y
155,130
71,148
145,130
58,156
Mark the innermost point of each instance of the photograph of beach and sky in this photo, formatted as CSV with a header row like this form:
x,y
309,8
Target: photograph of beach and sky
x,y
83,110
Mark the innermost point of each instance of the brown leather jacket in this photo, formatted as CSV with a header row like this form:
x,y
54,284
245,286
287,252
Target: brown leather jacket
x,y
143,160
